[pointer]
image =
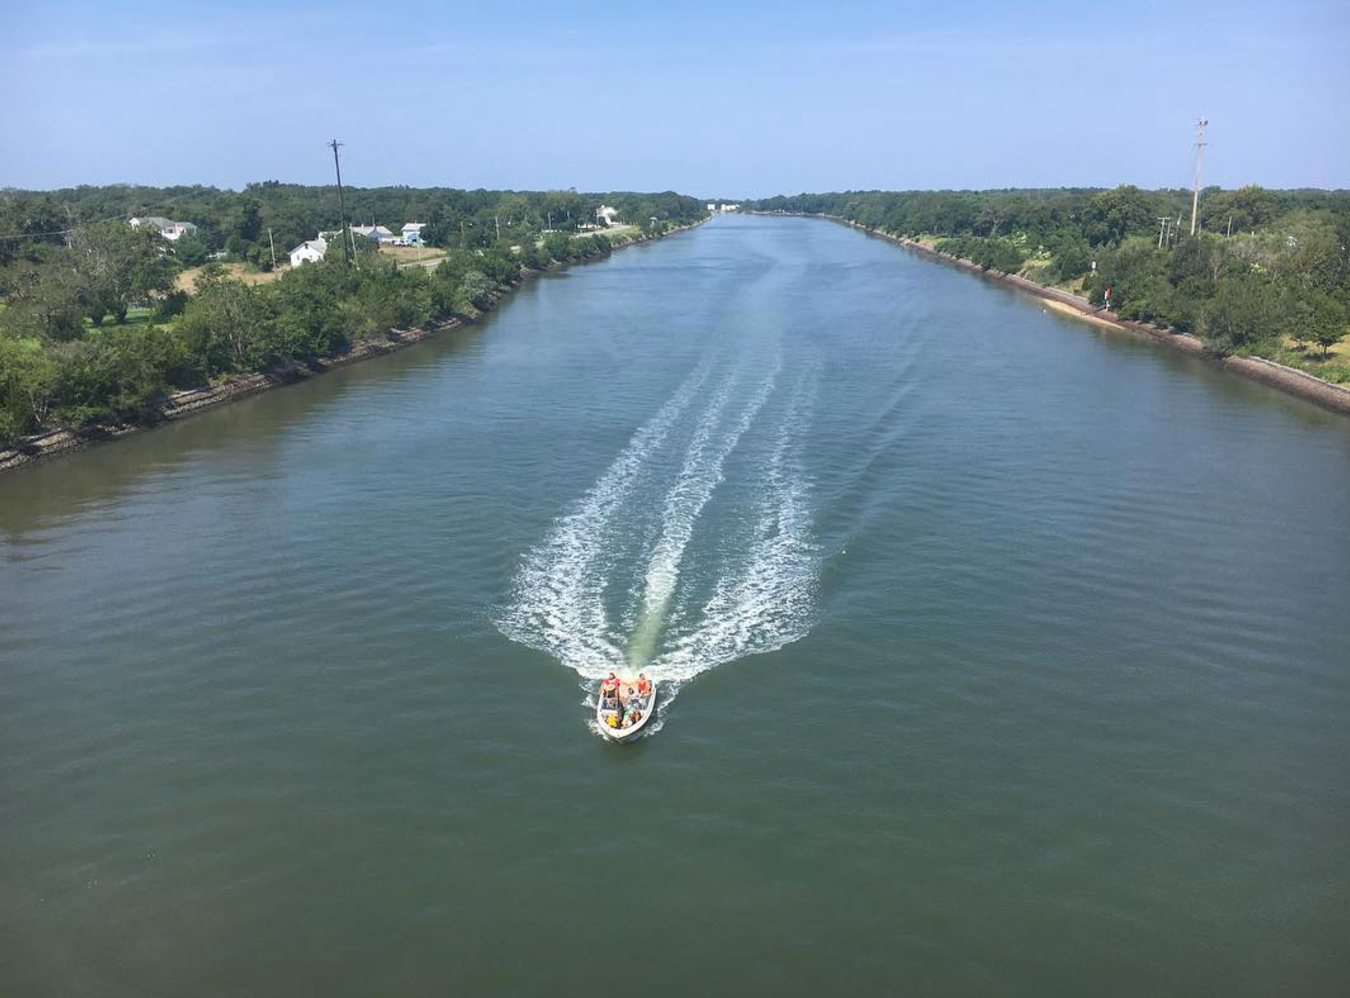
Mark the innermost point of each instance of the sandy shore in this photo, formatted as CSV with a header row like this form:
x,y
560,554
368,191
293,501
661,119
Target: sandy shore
x,y
1060,306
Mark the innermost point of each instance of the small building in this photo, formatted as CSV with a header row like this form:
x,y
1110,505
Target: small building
x,y
712,206
310,251
175,230
412,234
375,233
154,221
168,228
606,215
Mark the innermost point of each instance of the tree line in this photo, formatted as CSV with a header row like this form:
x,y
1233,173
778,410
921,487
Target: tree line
x,y
93,327
246,225
1263,268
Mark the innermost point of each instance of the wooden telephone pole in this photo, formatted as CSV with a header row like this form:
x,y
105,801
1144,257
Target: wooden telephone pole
x,y
342,208
1199,162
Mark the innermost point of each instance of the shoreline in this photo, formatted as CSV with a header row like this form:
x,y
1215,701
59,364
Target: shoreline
x,y
61,442
1324,394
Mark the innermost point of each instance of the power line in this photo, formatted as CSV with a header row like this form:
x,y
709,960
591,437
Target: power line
x,y
63,232
34,235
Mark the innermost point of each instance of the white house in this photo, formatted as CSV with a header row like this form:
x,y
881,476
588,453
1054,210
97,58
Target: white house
x,y
174,230
310,251
168,228
378,233
158,221
412,234
606,215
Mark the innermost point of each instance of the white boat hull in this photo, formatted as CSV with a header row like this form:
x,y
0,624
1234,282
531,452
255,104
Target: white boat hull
x,y
620,734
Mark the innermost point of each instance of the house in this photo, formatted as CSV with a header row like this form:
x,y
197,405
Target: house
x,y
712,206
375,233
310,251
155,221
167,227
412,234
606,215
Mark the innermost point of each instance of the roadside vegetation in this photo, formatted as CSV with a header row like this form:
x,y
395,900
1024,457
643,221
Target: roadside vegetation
x,y
1267,274
100,321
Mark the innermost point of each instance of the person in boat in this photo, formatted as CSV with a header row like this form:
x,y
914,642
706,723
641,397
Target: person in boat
x,y
609,690
644,686
634,715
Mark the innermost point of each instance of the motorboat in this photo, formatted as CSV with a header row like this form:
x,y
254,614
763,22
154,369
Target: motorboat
x,y
620,717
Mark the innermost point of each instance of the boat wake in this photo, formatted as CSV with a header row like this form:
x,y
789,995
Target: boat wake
x,y
636,576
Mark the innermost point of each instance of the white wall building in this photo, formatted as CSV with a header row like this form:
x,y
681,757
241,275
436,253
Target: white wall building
x,y
169,229
310,251
378,233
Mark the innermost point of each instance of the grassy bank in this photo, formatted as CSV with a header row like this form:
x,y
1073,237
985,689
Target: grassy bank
x,y
1264,274
1286,378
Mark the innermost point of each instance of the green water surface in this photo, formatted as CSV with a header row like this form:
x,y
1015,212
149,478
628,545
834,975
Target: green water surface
x,y
1001,655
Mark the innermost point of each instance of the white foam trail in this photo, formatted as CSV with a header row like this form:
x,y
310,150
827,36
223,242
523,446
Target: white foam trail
x,y
558,606
698,479
767,599
764,594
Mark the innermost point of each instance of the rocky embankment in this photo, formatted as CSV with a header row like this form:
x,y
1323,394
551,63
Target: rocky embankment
x,y
54,443
1335,398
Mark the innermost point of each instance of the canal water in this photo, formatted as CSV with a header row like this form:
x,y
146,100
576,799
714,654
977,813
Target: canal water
x,y
1000,654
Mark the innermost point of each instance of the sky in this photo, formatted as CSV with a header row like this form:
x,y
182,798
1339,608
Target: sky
x,y
717,99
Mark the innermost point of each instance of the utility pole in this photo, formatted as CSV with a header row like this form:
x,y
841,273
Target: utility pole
x,y
1230,227
1199,162
1162,229
272,246
342,208
498,222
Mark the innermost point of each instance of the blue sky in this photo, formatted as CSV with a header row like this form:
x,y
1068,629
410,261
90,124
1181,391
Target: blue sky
x,y
713,99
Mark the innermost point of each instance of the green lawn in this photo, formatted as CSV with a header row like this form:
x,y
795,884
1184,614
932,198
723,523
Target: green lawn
x,y
135,316
1335,367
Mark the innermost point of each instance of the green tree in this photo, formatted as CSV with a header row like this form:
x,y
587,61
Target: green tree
x,y
1317,317
45,298
222,324
1242,317
1112,215
190,251
248,224
1247,208
117,266
28,384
